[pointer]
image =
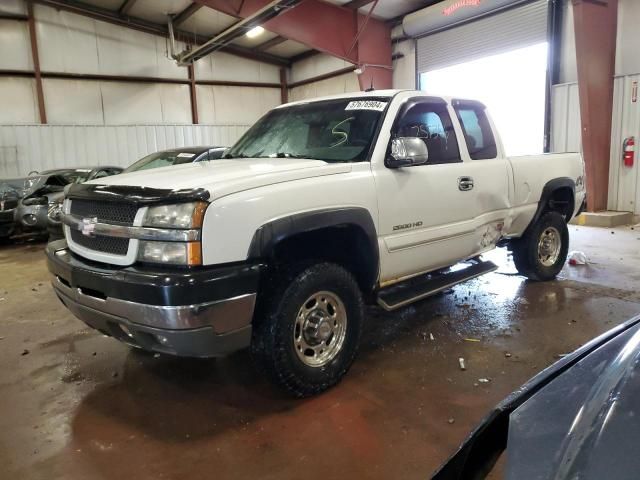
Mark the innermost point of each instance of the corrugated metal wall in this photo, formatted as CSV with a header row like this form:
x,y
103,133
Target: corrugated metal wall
x,y
330,86
320,65
24,148
74,44
624,182
565,118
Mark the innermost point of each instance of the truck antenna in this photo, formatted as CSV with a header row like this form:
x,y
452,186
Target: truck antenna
x,y
371,88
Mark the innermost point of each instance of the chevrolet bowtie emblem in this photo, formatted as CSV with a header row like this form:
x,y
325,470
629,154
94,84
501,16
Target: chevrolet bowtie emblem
x,y
88,226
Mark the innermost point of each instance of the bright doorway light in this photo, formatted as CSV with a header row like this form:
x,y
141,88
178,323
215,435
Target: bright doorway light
x,y
511,85
255,31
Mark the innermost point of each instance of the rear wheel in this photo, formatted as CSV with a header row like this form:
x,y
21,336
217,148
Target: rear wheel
x,y
309,331
541,252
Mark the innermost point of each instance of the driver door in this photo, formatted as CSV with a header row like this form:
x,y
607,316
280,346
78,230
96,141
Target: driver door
x,y
425,212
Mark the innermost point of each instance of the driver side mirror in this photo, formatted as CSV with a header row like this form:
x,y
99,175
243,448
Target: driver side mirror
x,y
407,152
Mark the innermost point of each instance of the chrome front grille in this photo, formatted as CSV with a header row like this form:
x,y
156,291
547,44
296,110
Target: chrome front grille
x,y
104,248
117,213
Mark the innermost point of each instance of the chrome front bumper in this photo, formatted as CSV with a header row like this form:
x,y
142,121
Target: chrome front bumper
x,y
162,311
222,315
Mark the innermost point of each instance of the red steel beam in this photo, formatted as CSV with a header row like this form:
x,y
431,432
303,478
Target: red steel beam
x,y
330,29
36,63
14,16
135,79
595,26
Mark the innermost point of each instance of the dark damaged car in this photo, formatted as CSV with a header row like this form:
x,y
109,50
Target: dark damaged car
x,y
577,420
44,191
11,191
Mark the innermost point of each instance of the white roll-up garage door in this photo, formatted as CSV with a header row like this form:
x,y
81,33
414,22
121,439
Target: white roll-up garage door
x,y
507,30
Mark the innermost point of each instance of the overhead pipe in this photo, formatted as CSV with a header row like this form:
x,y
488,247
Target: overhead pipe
x,y
172,39
263,15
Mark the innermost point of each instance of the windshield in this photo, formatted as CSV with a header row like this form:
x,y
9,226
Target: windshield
x,y
333,131
75,176
162,159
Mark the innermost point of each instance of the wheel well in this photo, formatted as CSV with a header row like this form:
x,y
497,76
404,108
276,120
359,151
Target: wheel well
x,y
346,245
560,200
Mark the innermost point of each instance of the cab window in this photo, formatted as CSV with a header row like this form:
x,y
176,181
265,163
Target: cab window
x,y
477,130
430,122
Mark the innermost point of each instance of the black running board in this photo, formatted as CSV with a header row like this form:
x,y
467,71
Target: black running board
x,y
423,286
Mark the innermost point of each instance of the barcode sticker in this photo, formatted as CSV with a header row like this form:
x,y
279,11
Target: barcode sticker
x,y
366,105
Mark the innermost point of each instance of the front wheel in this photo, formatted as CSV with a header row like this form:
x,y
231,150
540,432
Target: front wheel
x,y
541,252
309,331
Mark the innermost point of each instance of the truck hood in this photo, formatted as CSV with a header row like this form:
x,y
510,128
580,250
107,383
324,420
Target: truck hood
x,y
224,177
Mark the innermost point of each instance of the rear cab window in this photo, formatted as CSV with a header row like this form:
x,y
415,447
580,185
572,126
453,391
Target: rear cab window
x,y
478,134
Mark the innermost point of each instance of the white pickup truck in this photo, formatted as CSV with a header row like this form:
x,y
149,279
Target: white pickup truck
x,y
321,206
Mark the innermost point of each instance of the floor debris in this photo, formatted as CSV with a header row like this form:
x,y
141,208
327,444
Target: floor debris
x,y
461,363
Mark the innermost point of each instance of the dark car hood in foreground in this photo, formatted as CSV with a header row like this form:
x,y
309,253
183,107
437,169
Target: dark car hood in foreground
x,y
578,419
586,423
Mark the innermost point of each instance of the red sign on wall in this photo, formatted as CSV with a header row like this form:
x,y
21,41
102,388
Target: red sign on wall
x,y
451,9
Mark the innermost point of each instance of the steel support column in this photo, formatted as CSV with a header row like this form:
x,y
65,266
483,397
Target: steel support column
x,y
284,89
330,29
595,24
192,94
36,62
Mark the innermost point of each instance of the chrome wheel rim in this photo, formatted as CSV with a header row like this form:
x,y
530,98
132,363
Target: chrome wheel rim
x,y
320,329
549,246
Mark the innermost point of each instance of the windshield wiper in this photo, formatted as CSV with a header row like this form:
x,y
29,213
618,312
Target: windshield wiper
x,y
242,155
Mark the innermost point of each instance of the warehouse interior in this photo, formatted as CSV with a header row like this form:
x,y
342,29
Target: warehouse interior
x,y
91,87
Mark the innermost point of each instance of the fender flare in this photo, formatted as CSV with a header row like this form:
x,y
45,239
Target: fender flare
x,y
267,236
547,191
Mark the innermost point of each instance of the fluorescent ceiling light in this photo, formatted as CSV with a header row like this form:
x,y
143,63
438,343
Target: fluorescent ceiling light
x,y
255,31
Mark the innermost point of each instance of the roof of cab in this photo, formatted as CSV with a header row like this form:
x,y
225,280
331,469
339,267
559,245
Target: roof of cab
x,y
373,93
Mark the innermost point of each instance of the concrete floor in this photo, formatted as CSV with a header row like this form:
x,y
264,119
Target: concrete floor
x,y
77,405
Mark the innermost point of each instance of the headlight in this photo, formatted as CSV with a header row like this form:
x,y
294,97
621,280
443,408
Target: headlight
x,y
173,253
55,211
181,215
184,216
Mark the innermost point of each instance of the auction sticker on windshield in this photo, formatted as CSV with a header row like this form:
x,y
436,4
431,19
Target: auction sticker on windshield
x,y
366,105
185,155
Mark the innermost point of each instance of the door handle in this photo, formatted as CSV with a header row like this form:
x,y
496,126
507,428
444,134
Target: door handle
x,y
465,184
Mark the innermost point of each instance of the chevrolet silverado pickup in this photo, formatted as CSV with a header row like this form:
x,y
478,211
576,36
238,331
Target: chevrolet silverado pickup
x,y
322,206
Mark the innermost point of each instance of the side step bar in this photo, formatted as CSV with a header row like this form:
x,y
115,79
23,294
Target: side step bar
x,y
423,286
